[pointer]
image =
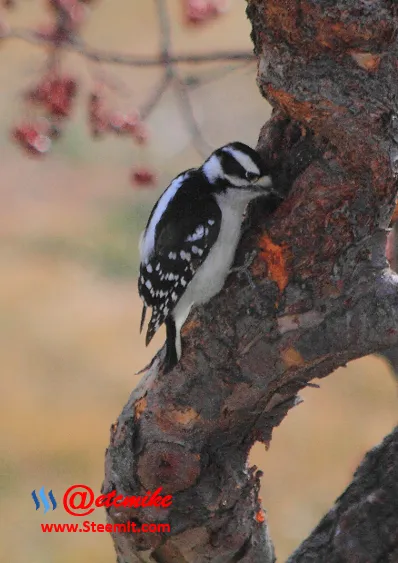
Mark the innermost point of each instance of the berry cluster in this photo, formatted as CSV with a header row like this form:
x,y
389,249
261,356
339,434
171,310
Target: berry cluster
x,y
50,102
53,98
102,120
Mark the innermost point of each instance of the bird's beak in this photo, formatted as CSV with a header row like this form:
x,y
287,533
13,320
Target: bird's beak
x,y
264,183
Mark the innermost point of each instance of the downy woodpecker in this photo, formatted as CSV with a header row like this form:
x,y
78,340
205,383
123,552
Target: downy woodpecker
x,y
189,243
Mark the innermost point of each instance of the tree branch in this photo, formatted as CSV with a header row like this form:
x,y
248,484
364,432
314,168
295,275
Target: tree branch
x,y
362,525
323,294
156,95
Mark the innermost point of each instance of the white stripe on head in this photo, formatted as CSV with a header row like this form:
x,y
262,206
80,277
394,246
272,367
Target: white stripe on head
x,y
212,169
147,238
244,159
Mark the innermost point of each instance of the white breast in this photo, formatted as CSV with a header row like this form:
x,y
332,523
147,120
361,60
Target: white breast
x,y
211,276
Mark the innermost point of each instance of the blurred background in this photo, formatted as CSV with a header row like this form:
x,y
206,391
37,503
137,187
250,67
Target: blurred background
x,y
69,308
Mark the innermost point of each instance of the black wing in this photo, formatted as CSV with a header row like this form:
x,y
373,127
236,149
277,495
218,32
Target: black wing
x,y
180,249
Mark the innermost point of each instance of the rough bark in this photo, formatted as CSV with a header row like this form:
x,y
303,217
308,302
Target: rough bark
x,y
362,525
323,295
391,354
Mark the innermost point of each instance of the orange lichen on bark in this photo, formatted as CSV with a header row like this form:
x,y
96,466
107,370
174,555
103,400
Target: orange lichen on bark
x,y
190,325
114,426
394,217
276,257
176,418
183,417
260,516
368,61
283,16
331,30
139,407
289,103
292,357
314,114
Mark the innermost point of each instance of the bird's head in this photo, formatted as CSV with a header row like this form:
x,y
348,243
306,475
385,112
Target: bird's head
x,y
238,166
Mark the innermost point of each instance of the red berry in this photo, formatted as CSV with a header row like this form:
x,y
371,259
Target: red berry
x,y
143,177
117,120
33,137
123,124
55,93
61,95
102,120
132,121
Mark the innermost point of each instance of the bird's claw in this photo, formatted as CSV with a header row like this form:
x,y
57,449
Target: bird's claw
x,y
244,268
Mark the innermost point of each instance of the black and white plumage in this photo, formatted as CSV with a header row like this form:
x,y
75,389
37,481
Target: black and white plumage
x,y
189,243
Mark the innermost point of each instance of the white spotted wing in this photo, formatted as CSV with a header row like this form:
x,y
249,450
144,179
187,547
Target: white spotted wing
x,y
180,248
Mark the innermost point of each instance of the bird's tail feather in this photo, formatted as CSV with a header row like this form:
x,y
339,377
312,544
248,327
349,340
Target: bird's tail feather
x,y
143,315
153,327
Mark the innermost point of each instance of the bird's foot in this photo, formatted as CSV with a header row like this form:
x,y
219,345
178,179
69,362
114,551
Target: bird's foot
x,y
170,359
243,269
167,360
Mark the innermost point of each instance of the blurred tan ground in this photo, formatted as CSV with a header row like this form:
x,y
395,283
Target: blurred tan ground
x,y
69,310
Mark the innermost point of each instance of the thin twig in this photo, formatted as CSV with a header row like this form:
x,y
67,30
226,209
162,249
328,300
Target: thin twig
x,y
192,81
165,33
155,96
176,81
168,75
201,145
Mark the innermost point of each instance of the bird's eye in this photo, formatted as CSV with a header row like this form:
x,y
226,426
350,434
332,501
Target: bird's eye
x,y
251,176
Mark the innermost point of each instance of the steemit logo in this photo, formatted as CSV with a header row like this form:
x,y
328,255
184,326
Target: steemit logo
x,y
44,500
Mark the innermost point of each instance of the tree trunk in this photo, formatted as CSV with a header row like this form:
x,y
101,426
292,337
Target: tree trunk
x,y
323,295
